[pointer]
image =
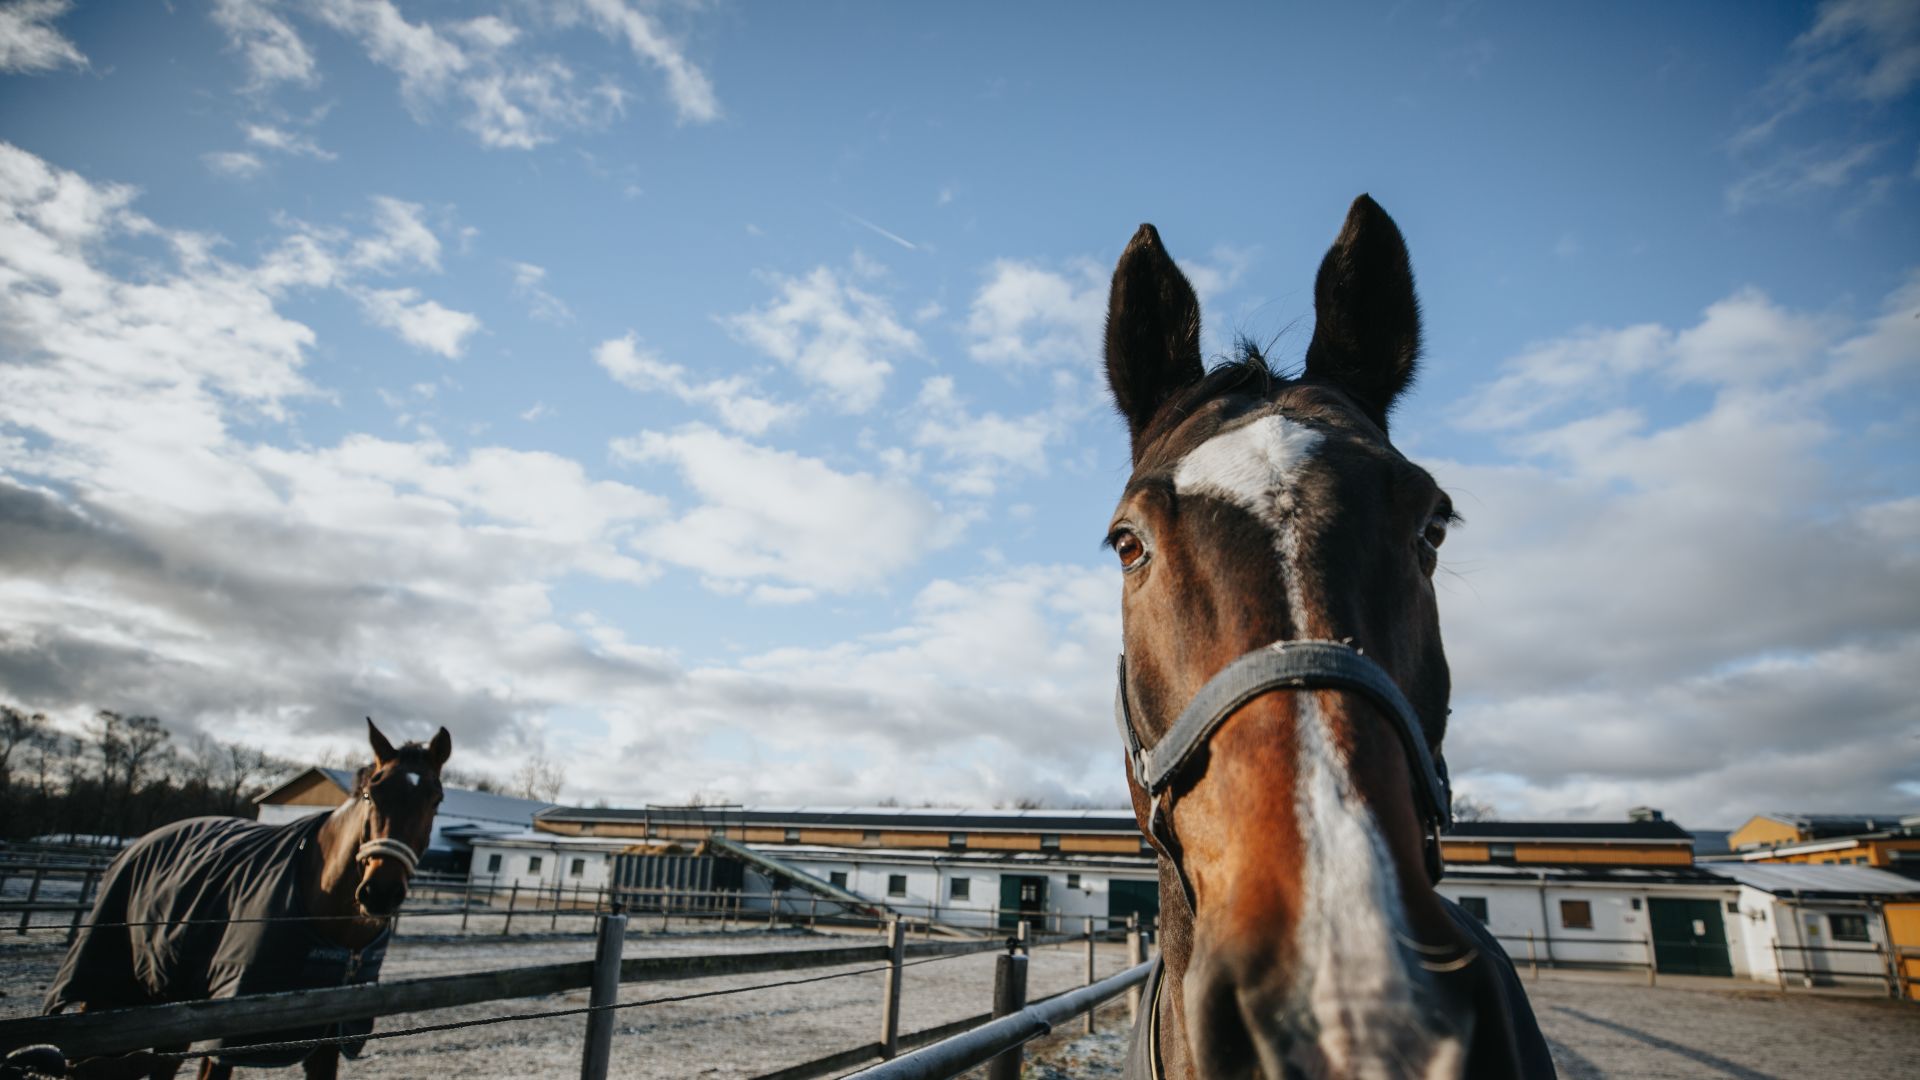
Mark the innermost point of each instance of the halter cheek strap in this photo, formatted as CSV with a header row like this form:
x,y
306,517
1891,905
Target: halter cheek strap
x,y
388,848
1283,665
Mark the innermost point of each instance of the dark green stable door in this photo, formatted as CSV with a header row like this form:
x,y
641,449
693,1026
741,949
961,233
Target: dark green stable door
x,y
1688,937
1140,898
1022,896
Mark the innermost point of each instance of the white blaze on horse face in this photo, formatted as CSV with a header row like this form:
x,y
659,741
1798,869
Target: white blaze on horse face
x,y
1352,979
1254,466
413,778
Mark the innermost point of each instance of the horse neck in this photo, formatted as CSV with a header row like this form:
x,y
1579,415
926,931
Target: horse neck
x,y
332,875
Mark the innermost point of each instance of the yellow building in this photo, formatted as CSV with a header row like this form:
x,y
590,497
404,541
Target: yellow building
x,y
1884,841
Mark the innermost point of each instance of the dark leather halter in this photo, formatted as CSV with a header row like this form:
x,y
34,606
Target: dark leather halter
x,y
1283,665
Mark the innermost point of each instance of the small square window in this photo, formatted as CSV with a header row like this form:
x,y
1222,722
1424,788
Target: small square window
x,y
718,832
956,839
896,884
1049,842
837,878
493,864
1848,927
793,836
960,889
1475,906
1500,852
870,836
1733,907
1576,914
1636,903
533,864
578,868
1073,881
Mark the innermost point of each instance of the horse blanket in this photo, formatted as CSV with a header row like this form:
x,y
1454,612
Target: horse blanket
x,y
1536,1062
191,877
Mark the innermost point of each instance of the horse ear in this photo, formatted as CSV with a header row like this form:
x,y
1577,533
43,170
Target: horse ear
x,y
1366,334
382,749
440,748
1153,332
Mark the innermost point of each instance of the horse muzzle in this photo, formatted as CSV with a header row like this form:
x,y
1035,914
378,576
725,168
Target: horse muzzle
x,y
381,893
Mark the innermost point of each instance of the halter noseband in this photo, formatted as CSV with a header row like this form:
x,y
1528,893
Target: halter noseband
x,y
1283,665
386,847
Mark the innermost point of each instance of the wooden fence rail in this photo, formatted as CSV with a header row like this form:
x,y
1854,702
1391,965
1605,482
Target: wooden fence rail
x,y
120,1030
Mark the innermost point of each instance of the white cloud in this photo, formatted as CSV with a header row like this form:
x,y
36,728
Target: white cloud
x,y
640,368
1800,172
235,164
1027,315
273,50
286,142
403,240
688,86
831,334
29,44
980,449
1744,339
776,517
401,578
528,285
420,322
1632,579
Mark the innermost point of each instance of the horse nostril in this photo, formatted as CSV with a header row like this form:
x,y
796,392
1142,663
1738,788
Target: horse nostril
x,y
1218,1032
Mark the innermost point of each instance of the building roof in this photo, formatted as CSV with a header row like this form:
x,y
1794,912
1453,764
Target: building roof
x,y
454,801
1815,879
1602,832
1823,826
860,817
1710,841
1631,876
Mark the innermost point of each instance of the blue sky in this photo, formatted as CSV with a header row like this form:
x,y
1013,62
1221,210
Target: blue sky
x,y
707,396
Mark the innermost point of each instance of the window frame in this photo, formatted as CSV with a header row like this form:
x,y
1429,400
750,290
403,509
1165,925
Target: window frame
x,y
534,863
577,867
960,888
1585,907
1475,906
837,878
896,885
1834,923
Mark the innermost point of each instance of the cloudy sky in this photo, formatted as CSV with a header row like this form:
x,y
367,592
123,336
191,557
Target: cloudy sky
x,y
708,396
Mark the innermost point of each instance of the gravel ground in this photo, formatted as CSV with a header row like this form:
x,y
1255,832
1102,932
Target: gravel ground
x,y
1598,1025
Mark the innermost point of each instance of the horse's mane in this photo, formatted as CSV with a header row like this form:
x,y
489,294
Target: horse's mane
x,y
1244,371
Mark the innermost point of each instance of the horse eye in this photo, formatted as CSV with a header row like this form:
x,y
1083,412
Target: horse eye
x,y
1435,533
1129,548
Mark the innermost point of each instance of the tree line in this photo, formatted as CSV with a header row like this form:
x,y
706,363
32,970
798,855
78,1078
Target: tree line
x,y
123,775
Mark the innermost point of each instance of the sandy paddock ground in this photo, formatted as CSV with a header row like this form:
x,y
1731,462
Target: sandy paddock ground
x,y
732,1035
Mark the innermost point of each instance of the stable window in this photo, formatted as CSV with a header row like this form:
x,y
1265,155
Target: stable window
x,y
1500,852
578,868
896,884
1475,906
493,864
870,836
837,878
793,836
1848,927
1073,881
960,888
533,864
956,839
1576,914
1049,842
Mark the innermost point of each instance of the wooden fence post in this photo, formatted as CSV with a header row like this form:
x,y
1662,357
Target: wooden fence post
x,y
1533,962
33,893
1024,933
1136,955
1652,957
1096,1008
606,991
554,922
1009,997
466,902
86,894
512,897
890,995
813,911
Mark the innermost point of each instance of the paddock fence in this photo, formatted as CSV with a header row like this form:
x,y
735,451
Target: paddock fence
x,y
1795,966
112,1032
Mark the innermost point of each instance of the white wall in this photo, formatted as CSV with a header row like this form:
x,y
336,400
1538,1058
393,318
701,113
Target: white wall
x,y
1516,909
556,866
928,888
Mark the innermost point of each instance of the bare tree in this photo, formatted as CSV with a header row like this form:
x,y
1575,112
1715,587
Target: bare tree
x,y
539,778
1468,808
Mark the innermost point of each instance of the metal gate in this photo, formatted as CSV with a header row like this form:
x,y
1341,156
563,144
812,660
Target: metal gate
x,y
1126,898
1021,896
1689,938
679,882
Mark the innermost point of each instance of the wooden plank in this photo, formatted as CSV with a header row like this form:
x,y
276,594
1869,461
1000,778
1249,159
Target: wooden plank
x,y
118,1030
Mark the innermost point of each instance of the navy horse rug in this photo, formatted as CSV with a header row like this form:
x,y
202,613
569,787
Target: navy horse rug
x,y
167,928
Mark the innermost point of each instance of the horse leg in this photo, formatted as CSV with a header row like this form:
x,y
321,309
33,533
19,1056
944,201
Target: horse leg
x,y
323,1064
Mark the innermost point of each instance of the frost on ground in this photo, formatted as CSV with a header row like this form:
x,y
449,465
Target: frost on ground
x,y
1100,1056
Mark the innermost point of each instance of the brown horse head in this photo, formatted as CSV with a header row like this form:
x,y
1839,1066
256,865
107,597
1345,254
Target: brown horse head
x,y
395,799
1303,936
